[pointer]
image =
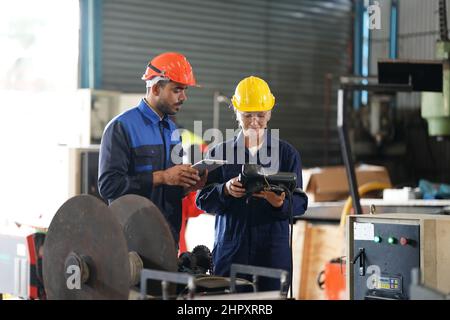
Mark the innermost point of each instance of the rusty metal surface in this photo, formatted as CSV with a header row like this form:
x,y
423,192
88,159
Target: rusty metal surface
x,y
217,282
86,226
147,233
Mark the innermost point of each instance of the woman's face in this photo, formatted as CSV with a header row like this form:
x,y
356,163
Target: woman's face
x,y
253,122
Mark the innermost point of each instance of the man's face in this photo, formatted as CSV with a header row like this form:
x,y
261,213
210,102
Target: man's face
x,y
171,97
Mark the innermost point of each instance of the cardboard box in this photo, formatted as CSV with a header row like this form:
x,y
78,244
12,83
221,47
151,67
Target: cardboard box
x,y
331,184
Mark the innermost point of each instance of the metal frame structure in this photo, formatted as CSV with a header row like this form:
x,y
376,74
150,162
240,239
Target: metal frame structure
x,y
281,274
190,280
343,128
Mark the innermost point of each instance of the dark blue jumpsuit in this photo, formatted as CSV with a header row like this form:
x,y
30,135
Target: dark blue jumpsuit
x,y
134,145
249,230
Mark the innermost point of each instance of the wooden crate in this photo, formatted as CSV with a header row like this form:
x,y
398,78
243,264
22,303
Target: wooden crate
x,y
314,246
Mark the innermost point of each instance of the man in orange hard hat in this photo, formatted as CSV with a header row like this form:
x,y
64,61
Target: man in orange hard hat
x,y
135,152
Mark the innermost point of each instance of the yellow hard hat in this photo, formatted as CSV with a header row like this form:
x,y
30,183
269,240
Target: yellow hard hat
x,y
253,94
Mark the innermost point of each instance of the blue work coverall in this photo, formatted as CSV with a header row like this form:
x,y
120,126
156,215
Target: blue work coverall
x,y
250,230
134,145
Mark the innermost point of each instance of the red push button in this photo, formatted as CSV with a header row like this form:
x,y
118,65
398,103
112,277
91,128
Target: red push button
x,y
403,241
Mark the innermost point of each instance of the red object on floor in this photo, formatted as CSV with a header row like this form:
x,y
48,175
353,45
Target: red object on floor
x,y
334,280
189,210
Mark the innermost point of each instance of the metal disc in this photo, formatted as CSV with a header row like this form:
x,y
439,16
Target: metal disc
x,y
147,233
85,227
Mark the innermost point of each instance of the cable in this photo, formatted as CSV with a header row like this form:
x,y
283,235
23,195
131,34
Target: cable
x,y
289,195
367,187
291,222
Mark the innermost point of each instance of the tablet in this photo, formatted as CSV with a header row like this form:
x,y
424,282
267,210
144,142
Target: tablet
x,y
208,164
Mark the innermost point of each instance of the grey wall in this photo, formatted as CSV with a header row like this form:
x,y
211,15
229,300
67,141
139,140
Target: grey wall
x,y
291,44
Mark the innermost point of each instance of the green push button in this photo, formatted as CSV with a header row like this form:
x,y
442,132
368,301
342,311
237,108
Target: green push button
x,y
377,239
392,240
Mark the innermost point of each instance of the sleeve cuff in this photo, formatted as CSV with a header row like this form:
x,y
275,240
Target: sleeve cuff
x,y
221,191
283,211
145,181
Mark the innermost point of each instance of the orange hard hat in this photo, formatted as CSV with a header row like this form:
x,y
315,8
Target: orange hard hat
x,y
171,65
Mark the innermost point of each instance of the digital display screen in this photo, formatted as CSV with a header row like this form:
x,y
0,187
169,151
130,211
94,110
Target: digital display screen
x,y
389,283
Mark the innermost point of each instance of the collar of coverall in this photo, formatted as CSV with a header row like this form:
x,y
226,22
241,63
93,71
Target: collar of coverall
x,y
151,114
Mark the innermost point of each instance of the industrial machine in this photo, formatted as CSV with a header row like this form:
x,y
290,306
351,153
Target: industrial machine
x,y
90,111
80,166
383,250
435,107
95,251
431,78
20,263
126,251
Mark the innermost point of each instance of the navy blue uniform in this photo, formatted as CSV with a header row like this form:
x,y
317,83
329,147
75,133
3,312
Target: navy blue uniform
x,y
134,145
249,230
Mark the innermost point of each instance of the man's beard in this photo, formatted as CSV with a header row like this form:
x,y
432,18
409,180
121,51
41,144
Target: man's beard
x,y
166,109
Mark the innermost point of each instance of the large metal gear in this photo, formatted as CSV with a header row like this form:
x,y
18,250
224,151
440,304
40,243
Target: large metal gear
x,y
93,251
148,234
85,253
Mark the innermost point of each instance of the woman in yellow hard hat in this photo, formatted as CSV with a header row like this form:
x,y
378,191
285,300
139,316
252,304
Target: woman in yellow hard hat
x,y
251,229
